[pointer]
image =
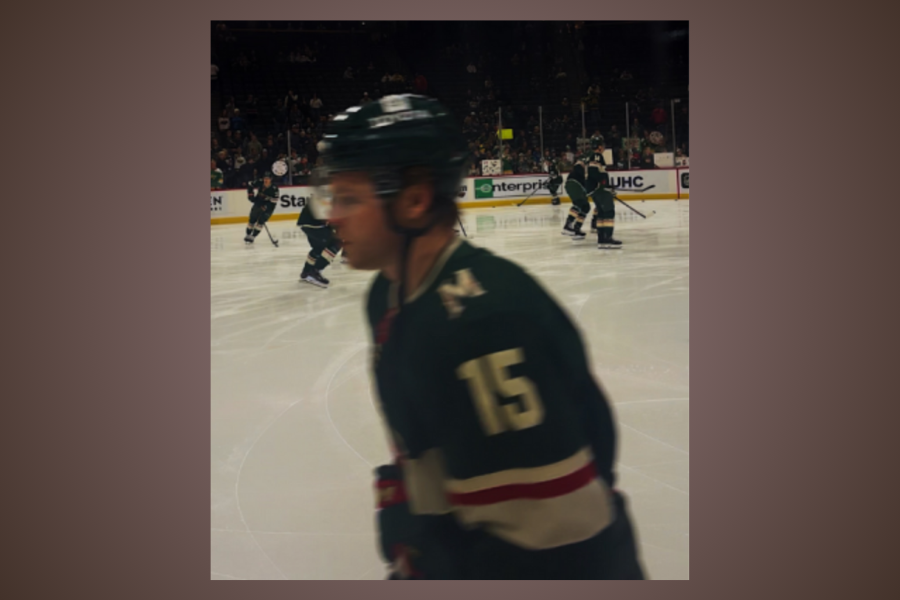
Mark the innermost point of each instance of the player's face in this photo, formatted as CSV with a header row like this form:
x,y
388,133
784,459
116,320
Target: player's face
x,y
267,181
359,217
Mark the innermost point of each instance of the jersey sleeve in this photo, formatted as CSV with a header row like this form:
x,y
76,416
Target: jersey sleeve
x,y
522,429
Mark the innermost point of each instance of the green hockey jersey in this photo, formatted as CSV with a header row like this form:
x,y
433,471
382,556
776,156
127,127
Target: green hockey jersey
x,y
493,412
596,171
258,192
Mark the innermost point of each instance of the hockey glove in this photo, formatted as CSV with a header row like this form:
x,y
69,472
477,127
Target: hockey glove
x,y
397,527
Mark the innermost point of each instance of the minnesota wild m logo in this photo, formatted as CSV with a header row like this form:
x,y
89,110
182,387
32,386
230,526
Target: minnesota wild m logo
x,y
466,286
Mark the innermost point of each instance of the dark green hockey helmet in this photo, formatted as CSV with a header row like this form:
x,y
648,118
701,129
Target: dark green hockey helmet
x,y
385,137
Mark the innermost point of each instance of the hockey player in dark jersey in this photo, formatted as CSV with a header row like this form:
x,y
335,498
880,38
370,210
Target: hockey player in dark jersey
x,y
576,188
605,213
554,181
504,443
325,246
264,196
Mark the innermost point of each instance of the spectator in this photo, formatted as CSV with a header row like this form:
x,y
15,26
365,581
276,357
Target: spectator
x,y
636,127
217,177
635,160
471,68
224,163
365,99
240,168
659,117
237,121
295,117
254,147
224,122
304,168
291,99
295,136
214,146
507,162
614,138
315,105
488,84
215,72
230,142
294,160
348,73
271,146
647,161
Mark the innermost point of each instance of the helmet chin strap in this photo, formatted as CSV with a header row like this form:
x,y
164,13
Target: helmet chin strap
x,y
409,234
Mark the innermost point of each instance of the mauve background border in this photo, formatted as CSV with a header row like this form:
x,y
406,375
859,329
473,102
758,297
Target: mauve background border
x,y
107,433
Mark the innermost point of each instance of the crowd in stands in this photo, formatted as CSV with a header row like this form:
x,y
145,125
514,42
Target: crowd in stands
x,y
287,92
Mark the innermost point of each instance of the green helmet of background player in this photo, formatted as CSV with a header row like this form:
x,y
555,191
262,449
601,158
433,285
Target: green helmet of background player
x,y
596,142
384,138
267,175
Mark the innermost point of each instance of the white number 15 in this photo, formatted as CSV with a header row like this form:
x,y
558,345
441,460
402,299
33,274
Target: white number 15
x,y
487,377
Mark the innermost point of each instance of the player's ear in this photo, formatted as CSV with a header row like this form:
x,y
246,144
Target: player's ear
x,y
415,202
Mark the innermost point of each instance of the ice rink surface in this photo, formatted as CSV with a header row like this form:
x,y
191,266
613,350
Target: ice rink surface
x,y
296,436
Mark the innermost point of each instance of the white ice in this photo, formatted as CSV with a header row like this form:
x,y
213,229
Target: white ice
x,y
295,434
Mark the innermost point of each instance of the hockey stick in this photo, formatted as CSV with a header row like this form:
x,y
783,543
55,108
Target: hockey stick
x,y
528,196
461,226
634,209
274,241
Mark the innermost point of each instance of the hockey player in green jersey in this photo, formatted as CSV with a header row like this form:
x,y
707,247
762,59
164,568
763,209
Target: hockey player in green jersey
x,y
504,443
576,188
600,192
554,181
264,196
325,246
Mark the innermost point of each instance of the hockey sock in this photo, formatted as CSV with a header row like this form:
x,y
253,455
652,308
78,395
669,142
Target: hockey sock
x,y
323,261
579,221
573,214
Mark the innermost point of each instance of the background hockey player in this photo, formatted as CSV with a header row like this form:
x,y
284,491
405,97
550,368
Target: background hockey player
x,y
504,443
325,246
604,218
264,196
555,180
576,189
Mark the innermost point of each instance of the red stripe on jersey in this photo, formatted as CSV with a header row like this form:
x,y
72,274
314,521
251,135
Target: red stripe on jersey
x,y
528,491
390,492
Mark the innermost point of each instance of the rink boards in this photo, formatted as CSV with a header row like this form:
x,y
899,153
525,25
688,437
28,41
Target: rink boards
x,y
232,206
